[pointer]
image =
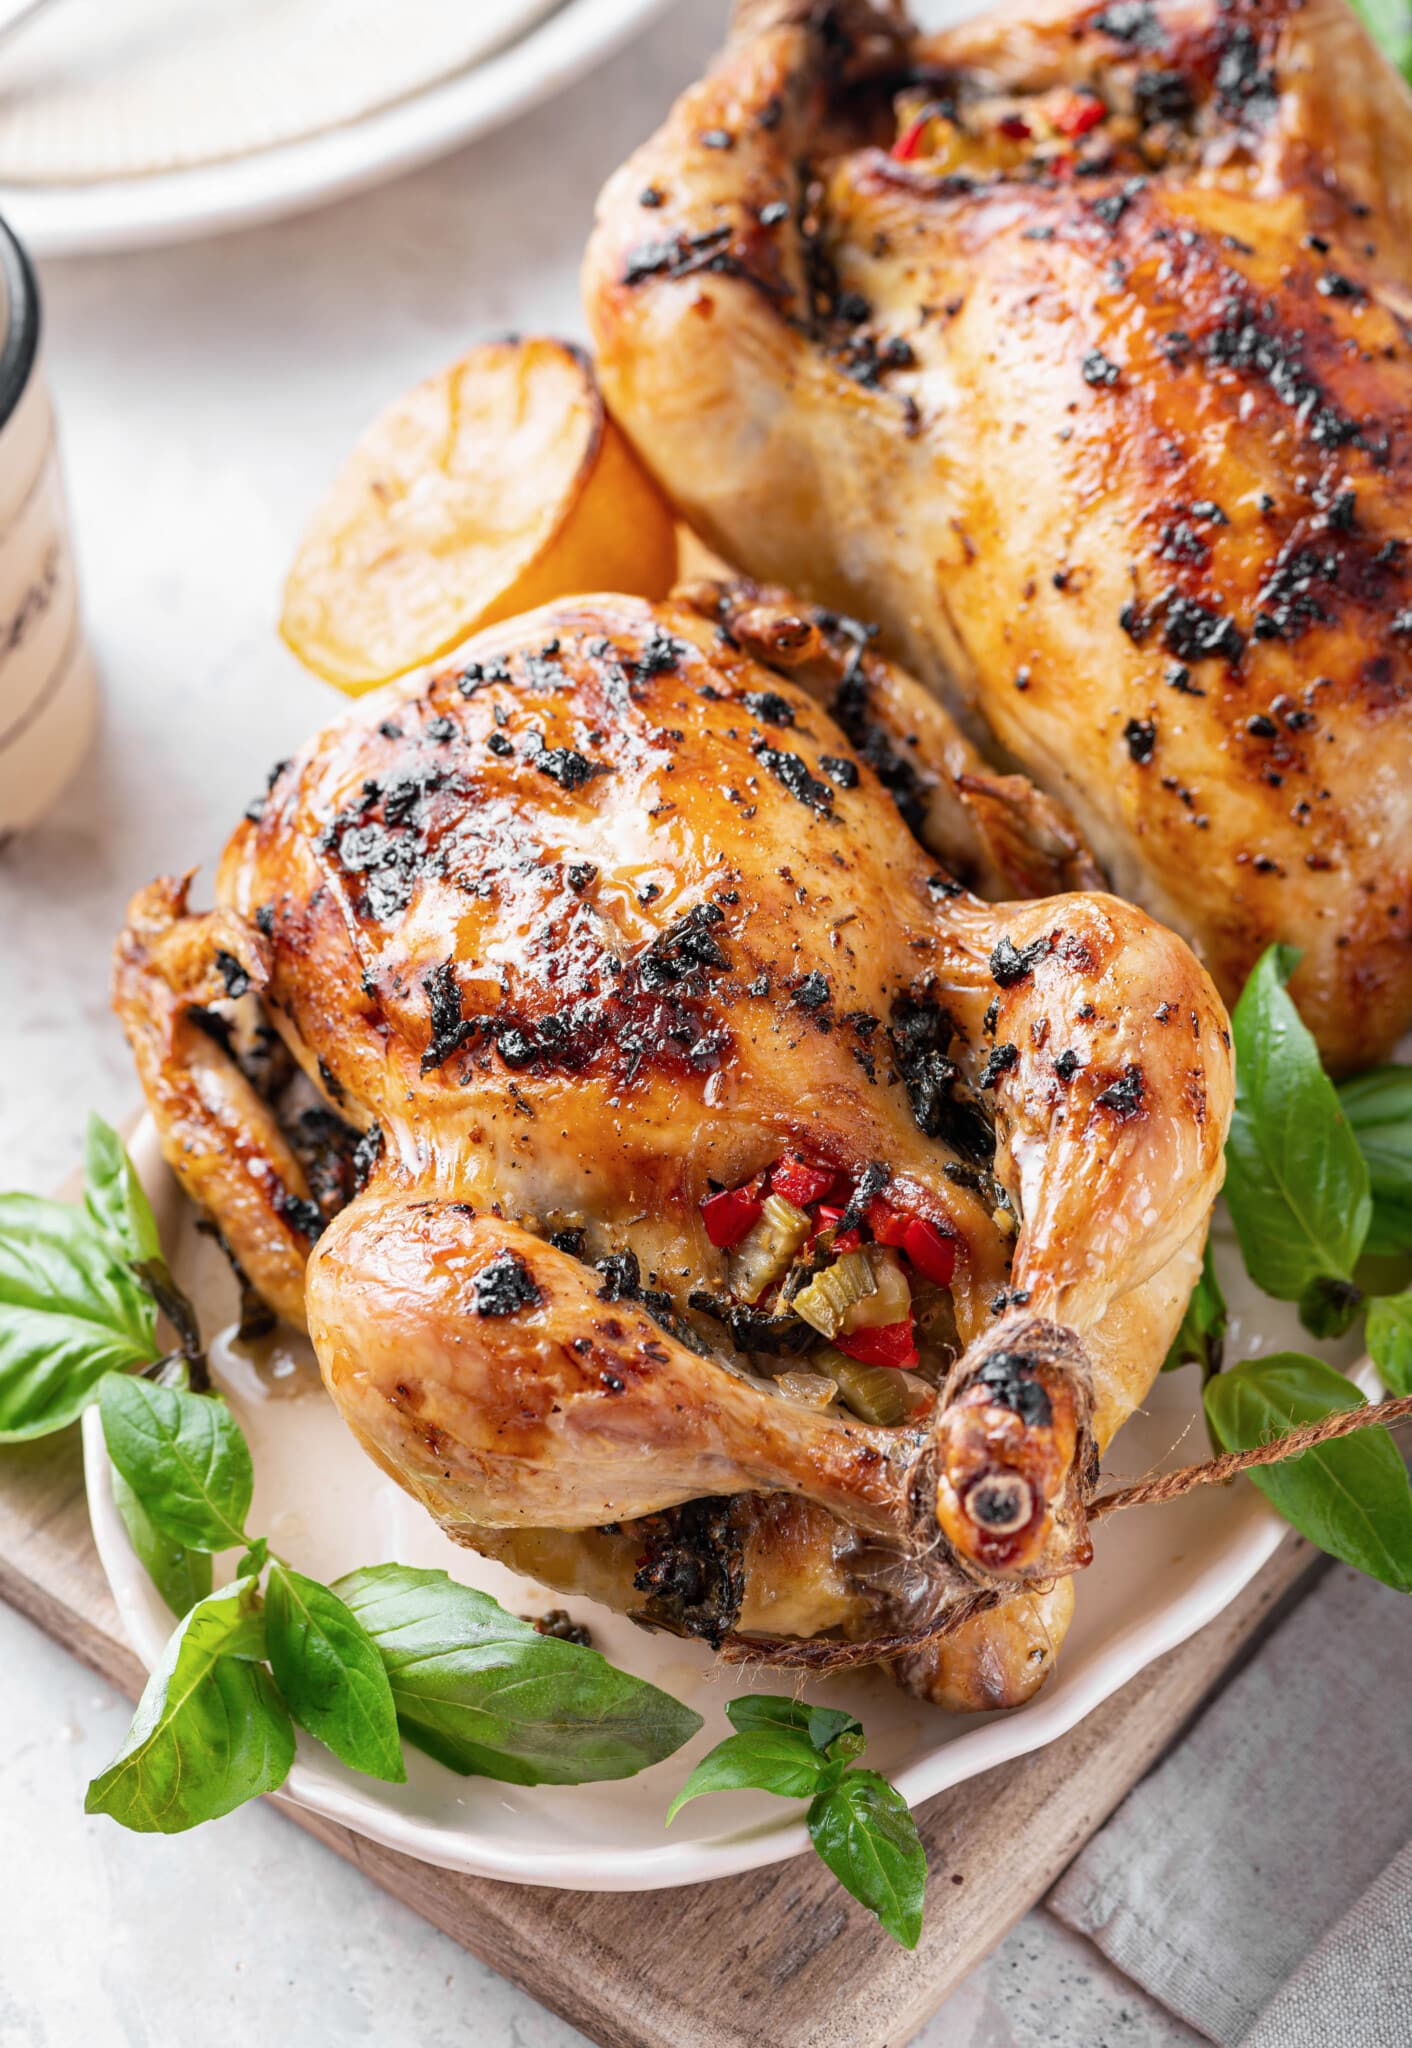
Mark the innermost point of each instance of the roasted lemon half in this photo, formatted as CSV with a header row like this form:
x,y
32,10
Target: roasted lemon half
x,y
494,486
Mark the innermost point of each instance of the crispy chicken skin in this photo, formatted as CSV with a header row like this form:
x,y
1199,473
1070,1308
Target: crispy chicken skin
x,y
1073,345
610,913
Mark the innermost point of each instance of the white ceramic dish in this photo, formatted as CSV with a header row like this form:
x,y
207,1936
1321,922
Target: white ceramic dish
x,y
1159,1574
209,198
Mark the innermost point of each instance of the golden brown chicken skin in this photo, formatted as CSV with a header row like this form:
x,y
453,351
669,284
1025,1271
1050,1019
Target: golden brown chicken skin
x,y
609,918
1074,346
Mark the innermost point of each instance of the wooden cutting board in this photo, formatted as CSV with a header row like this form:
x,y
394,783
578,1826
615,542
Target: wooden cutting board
x,y
779,1958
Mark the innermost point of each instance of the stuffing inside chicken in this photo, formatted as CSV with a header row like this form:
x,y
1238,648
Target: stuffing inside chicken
x,y
712,1203
1071,345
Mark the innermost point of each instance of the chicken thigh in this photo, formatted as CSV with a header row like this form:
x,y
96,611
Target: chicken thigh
x,y
1073,346
708,1202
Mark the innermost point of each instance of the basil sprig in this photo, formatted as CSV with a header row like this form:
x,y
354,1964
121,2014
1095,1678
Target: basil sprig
x,y
390,1655
860,1825
1296,1180
1316,1177
1351,1497
438,1664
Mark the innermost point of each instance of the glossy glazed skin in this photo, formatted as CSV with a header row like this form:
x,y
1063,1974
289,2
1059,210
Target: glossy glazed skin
x,y
608,913
1110,433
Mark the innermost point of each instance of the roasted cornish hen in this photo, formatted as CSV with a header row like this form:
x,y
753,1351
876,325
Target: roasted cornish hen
x,y
1072,346
708,1203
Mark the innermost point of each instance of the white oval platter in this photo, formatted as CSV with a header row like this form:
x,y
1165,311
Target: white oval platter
x,y
1159,1574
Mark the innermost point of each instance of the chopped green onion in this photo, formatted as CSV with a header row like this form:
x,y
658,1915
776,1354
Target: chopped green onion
x,y
872,1392
832,1293
763,1254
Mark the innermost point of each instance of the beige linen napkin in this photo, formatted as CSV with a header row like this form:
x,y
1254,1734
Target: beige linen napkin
x,y
1357,1985
1288,1801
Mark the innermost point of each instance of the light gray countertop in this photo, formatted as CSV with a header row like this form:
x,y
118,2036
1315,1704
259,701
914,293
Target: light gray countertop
x,y
205,396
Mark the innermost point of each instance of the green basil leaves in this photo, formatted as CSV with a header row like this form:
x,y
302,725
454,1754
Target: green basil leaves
x,y
184,1456
181,1576
1296,1181
1315,1177
1350,1497
210,1732
859,1824
114,1196
405,1655
328,1668
71,1310
1390,1340
1378,1106
864,1831
486,1694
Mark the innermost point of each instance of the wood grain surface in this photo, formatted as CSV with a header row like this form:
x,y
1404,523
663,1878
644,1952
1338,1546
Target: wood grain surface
x,y
779,1958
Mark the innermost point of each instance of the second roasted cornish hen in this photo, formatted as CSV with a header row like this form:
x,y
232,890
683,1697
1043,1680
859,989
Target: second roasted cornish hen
x,y
707,1202
1074,346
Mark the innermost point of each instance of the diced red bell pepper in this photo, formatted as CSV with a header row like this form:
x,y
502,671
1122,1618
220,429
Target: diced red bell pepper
x,y
1016,127
888,1225
931,1251
829,1219
909,142
1078,113
729,1215
799,1183
886,1344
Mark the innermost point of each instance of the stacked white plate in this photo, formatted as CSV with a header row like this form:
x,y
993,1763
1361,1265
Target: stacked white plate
x,y
124,122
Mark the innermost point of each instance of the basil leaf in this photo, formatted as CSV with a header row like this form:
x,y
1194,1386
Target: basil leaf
x,y
864,1832
210,1730
781,1760
1201,1335
181,1576
513,1704
1296,1184
1378,1105
1350,1497
114,1196
328,1668
70,1312
1390,22
822,1725
184,1455
1389,1334
255,1559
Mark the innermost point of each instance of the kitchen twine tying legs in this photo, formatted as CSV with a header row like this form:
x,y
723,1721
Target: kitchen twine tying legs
x,y
1171,1485
821,1657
